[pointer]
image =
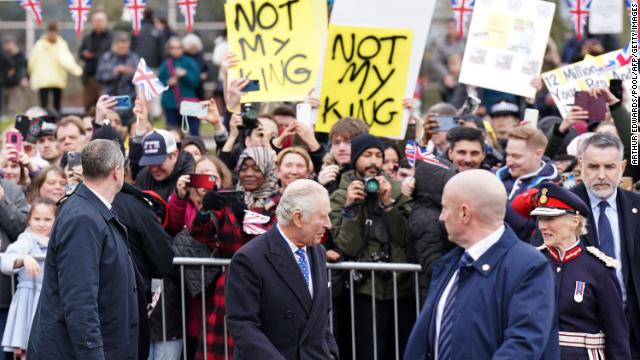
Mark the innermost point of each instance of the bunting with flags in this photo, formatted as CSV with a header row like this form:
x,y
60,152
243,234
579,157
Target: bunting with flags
x,y
579,10
148,82
79,12
188,10
34,7
462,10
136,10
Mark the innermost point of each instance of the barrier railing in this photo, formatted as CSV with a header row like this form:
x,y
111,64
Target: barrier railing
x,y
351,267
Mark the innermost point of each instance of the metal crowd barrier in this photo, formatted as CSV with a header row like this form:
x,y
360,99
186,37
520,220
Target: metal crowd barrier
x,y
351,267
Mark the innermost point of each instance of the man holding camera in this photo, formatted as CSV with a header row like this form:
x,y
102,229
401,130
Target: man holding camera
x,y
369,223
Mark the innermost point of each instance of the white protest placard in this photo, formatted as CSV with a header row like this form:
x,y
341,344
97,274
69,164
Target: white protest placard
x,y
506,44
563,82
409,16
605,17
615,66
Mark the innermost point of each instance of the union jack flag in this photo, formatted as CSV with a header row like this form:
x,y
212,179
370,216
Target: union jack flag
x,y
188,10
79,12
34,7
579,10
462,10
253,223
148,81
413,152
136,10
624,57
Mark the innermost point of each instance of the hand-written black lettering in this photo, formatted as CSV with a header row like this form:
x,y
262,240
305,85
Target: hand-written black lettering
x,y
367,49
361,49
371,112
363,58
269,42
284,72
258,16
282,43
244,44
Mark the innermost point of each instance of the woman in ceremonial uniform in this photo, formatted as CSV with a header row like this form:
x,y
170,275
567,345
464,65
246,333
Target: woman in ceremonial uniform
x,y
589,302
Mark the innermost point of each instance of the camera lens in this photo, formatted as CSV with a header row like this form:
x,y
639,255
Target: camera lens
x,y
371,185
251,113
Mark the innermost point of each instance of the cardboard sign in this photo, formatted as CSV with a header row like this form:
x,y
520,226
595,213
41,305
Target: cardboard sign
x,y
279,43
563,82
397,14
605,17
612,68
365,74
506,44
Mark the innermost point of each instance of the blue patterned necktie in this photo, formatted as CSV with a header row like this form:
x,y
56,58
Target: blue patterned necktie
x,y
304,267
446,323
605,235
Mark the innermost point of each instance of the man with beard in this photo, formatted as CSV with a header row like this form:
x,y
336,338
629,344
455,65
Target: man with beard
x,y
369,223
614,224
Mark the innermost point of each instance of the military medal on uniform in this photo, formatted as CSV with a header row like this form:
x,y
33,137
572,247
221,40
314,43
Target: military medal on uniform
x,y
578,296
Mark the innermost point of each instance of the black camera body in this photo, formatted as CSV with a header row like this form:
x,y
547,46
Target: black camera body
x,y
377,257
371,185
249,117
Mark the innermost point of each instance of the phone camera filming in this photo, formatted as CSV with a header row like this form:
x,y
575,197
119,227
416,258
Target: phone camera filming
x,y
249,117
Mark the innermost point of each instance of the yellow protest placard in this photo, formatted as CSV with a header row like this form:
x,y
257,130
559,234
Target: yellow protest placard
x,y
365,76
278,43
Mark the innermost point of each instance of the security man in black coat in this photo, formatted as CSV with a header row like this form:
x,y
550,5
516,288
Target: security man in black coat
x,y
88,307
144,216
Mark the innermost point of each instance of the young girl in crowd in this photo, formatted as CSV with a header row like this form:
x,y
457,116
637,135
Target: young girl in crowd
x,y
19,258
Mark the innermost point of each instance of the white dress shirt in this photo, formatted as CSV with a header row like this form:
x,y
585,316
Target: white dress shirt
x,y
612,216
104,201
295,248
475,251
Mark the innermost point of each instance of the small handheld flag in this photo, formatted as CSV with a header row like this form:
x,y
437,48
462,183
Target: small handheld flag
x,y
34,7
414,152
148,81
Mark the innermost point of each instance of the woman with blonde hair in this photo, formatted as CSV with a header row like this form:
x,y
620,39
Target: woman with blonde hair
x,y
591,318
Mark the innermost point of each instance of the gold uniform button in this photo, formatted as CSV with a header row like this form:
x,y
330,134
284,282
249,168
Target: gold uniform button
x,y
558,269
486,267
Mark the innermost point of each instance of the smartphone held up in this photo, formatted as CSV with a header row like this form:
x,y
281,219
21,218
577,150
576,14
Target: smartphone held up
x,y
203,181
14,137
193,108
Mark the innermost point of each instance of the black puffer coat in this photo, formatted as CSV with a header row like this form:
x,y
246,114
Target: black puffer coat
x,y
427,236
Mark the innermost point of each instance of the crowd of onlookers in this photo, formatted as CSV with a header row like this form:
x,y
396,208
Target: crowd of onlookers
x,y
385,194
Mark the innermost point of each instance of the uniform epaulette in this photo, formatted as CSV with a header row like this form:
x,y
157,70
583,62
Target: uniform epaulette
x,y
542,247
607,260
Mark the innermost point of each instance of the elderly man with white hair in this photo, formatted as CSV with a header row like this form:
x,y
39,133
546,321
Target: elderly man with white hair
x,y
276,289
